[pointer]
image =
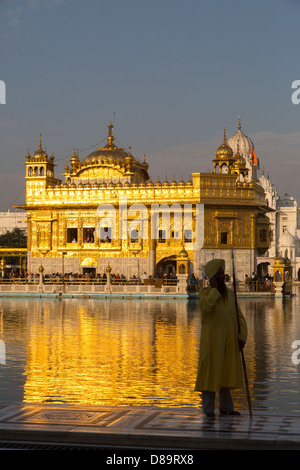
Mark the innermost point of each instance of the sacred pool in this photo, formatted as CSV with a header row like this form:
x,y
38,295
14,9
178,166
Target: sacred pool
x,y
139,352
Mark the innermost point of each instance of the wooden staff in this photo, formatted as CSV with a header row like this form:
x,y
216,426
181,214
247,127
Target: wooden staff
x,y
239,330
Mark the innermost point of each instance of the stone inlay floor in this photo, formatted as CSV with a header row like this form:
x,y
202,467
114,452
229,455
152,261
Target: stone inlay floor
x,y
160,426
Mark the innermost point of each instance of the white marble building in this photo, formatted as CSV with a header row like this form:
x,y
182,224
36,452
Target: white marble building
x,y
13,219
284,214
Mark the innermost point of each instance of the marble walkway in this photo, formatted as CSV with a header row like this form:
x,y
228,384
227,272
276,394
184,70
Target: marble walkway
x,y
108,427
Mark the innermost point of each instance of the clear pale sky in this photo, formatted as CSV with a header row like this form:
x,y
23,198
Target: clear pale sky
x,y
170,74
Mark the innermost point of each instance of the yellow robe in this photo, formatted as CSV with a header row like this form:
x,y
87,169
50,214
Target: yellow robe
x,y
219,357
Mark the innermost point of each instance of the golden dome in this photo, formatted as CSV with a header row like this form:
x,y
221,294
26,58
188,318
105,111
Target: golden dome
x,y
183,253
181,183
40,154
174,182
240,162
107,164
224,151
120,163
110,152
150,183
75,159
279,260
166,183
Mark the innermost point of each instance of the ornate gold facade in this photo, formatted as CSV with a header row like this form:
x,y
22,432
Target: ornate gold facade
x,y
64,217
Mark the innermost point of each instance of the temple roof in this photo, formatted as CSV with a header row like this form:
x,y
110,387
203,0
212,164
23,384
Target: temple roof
x,y
108,163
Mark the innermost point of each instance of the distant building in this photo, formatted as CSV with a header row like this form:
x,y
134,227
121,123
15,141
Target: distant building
x,y
11,220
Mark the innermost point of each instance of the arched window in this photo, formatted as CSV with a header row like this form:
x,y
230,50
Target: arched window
x,y
181,269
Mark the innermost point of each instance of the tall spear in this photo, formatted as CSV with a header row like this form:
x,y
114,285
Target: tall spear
x,y
239,330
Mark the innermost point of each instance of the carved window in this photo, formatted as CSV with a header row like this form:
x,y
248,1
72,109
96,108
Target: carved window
x,y
188,236
175,234
105,234
72,235
224,238
263,235
162,236
134,236
88,235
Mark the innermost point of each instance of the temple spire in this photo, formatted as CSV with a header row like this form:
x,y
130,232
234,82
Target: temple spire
x,y
110,137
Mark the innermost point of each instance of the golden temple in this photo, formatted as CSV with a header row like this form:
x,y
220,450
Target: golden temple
x,y
70,223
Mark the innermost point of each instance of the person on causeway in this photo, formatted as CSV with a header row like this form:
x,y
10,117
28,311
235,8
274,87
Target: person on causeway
x,y
219,366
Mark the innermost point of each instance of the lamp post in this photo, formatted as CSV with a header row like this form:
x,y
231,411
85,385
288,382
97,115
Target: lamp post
x,y
136,252
3,266
41,281
63,269
41,270
108,283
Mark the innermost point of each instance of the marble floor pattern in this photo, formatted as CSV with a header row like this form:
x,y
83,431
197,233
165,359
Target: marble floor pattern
x,y
148,427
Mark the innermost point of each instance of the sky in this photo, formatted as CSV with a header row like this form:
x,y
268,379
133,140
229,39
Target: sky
x,y
170,75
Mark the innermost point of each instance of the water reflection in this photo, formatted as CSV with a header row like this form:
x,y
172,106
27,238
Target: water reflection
x,y
138,352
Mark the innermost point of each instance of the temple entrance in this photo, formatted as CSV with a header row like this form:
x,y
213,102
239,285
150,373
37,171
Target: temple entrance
x,y
90,272
89,266
166,266
262,269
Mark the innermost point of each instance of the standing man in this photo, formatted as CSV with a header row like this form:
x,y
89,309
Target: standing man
x,y
219,367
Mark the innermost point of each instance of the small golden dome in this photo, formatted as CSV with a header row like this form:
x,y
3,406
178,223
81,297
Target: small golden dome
x,y
150,183
40,154
240,162
181,183
279,260
74,160
183,253
224,151
174,182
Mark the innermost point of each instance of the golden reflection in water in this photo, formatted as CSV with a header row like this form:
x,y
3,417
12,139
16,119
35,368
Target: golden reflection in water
x,y
112,352
139,352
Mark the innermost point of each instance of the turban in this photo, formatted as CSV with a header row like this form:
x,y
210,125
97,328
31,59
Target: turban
x,y
213,266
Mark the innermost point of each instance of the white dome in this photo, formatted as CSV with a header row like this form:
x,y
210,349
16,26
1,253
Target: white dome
x,y
286,201
241,141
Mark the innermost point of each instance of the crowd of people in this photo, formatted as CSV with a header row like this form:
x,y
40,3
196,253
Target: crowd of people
x,y
70,277
255,283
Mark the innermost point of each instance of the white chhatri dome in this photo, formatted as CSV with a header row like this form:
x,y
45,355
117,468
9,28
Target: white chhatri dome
x,y
286,201
241,141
